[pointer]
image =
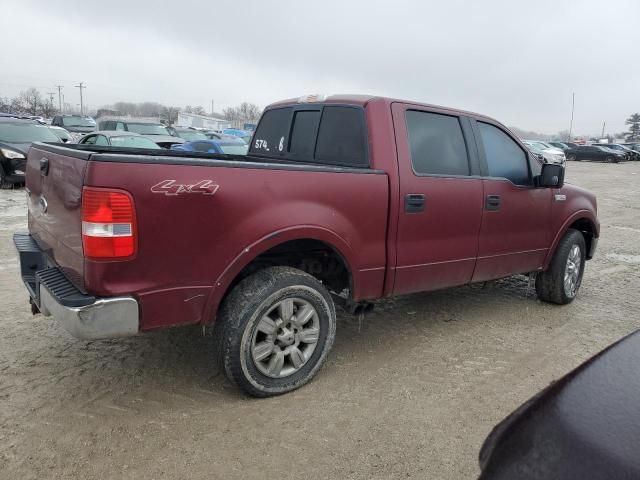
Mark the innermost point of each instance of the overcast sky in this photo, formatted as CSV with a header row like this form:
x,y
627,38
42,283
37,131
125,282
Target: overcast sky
x,y
518,61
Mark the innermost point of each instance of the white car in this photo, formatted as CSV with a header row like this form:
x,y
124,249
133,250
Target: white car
x,y
549,153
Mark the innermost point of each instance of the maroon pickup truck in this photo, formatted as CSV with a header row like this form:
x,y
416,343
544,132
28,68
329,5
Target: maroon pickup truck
x,y
340,199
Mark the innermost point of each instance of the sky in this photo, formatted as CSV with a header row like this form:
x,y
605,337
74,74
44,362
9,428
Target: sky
x,y
517,61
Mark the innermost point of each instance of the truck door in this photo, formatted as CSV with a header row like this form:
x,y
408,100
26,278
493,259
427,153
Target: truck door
x,y
441,199
515,236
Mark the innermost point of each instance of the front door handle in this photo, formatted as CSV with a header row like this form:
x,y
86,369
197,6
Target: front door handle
x,y
414,203
492,202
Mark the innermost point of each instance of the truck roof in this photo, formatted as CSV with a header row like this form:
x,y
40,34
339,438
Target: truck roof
x,y
363,100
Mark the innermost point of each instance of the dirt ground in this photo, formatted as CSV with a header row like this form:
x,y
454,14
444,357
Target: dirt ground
x,y
410,392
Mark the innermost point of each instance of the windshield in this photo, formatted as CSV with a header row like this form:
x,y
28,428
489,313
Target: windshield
x,y
235,149
533,147
133,142
26,133
147,128
191,135
61,133
78,121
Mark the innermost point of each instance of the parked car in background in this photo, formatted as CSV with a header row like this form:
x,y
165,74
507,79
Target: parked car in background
x,y
618,147
188,134
595,152
561,145
157,132
221,136
585,425
16,137
75,124
236,132
111,138
63,134
318,212
633,146
235,146
548,153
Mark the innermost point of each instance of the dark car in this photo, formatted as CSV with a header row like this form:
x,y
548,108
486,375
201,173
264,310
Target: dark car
x,y
229,147
595,152
110,138
16,136
561,145
154,131
584,426
618,147
75,123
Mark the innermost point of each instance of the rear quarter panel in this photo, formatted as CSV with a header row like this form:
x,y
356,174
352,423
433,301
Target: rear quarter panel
x,y
191,246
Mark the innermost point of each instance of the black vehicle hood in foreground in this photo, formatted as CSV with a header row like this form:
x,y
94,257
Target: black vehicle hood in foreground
x,y
584,426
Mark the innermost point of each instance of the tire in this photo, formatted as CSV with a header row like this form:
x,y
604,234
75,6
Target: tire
x,y
551,285
4,184
571,157
265,354
612,160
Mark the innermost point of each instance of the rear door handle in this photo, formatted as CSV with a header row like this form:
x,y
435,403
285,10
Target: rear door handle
x,y
492,202
414,203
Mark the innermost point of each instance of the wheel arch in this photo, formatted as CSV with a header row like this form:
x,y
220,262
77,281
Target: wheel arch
x,y
582,221
282,242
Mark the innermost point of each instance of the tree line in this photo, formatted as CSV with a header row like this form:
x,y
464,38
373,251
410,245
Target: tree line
x,y
31,102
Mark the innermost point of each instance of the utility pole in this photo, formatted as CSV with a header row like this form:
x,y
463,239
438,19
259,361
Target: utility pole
x,y
212,107
59,87
602,136
81,86
51,94
573,104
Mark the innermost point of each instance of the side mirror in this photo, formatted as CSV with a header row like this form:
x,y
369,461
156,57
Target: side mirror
x,y
552,176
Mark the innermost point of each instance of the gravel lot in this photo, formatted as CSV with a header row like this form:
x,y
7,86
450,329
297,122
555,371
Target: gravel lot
x,y
411,391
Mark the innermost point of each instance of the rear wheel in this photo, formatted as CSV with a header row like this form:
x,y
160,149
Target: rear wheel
x,y
561,282
277,328
571,157
611,160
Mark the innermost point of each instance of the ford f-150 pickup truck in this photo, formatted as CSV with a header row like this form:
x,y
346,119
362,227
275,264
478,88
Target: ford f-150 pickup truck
x,y
340,199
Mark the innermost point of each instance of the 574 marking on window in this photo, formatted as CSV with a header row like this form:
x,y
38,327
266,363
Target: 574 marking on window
x,y
170,187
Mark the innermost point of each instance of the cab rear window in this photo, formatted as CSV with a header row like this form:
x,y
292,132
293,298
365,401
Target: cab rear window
x,y
320,134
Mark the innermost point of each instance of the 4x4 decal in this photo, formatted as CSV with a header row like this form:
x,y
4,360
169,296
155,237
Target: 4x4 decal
x,y
170,187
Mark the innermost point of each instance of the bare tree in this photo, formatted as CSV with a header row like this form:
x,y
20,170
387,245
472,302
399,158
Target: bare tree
x,y
48,109
30,100
170,114
199,110
245,112
188,109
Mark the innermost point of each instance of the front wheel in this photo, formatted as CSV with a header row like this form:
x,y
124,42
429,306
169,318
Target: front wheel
x,y
278,326
611,160
561,282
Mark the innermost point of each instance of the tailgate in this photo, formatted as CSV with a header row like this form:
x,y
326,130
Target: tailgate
x,y
54,179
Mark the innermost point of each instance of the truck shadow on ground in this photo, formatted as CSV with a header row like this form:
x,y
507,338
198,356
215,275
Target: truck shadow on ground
x,y
185,361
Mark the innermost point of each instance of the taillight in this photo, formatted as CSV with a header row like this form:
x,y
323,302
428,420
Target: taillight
x,y
108,223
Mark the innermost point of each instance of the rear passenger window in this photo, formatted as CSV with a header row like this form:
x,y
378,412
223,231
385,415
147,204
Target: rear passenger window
x,y
505,158
271,137
341,137
436,143
303,133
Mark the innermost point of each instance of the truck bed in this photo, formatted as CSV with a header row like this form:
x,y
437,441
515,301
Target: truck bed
x,y
190,245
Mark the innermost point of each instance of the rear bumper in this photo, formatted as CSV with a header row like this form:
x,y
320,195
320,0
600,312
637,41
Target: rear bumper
x,y
82,315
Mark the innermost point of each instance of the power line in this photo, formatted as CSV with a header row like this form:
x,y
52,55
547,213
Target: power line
x,y
81,86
